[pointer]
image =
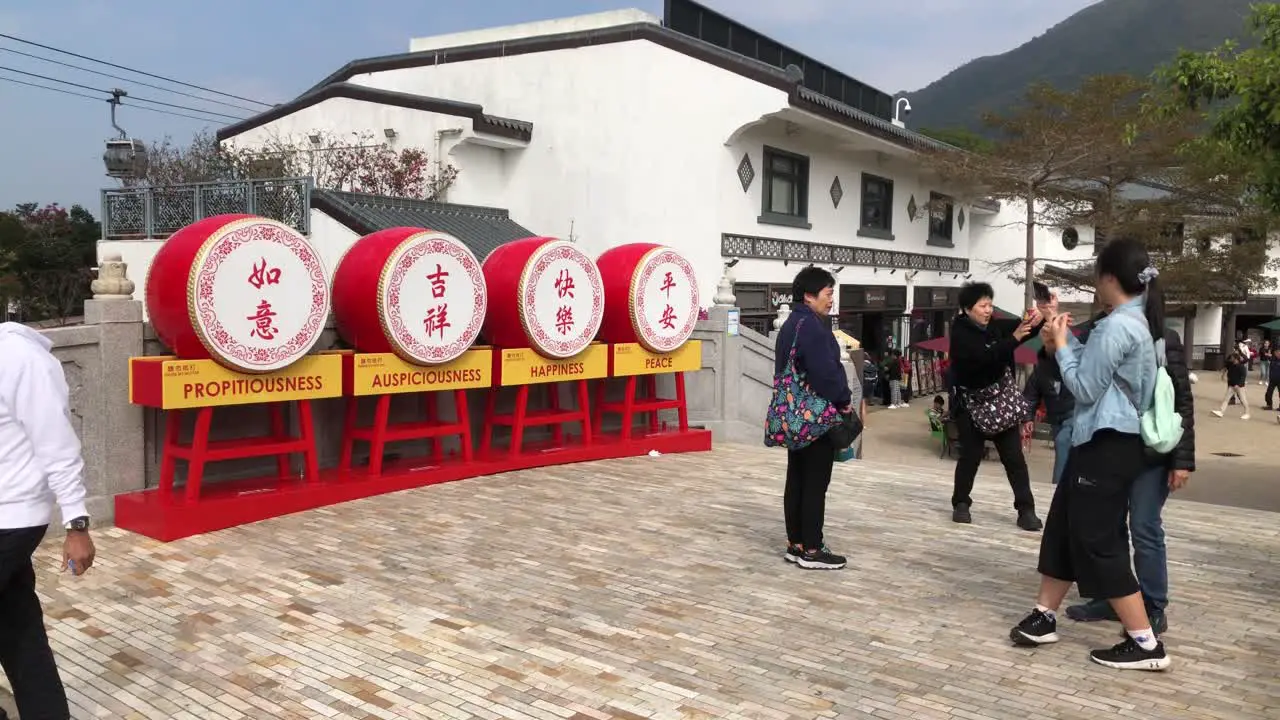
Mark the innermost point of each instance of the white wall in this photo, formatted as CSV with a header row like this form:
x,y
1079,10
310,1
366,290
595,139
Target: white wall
x,y
1003,237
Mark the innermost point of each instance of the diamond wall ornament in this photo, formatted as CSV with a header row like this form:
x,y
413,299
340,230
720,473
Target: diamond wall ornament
x,y
837,192
746,173
912,208
960,218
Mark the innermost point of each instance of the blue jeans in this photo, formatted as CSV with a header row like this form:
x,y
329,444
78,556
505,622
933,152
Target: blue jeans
x,y
1150,560
1061,449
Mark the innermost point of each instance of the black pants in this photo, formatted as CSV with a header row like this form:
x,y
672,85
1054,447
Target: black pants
x,y
1272,384
1086,536
1009,446
24,648
804,503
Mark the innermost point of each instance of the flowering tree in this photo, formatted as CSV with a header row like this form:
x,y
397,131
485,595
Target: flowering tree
x,y
46,253
354,162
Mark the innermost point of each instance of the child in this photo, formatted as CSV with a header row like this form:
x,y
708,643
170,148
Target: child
x,y
938,413
1237,375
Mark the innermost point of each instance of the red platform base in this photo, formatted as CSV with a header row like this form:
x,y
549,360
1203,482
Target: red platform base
x,y
171,516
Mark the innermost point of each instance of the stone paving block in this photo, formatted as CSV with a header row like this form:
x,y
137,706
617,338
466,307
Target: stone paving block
x,y
645,588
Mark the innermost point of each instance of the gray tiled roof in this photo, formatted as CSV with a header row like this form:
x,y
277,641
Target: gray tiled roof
x,y
481,228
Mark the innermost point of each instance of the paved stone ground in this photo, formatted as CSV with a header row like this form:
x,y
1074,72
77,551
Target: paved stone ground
x,y
645,588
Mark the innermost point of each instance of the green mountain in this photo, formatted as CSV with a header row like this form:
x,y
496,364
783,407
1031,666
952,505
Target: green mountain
x,y
1112,36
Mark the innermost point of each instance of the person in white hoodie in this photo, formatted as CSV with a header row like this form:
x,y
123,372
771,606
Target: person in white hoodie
x,y
40,464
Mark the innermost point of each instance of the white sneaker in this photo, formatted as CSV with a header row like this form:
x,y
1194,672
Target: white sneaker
x,y
1217,413
1244,416
904,405
893,407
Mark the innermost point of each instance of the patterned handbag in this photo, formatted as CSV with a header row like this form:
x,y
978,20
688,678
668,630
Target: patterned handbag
x,y
797,415
996,407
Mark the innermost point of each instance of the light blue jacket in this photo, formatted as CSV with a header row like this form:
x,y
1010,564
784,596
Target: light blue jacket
x,y
1118,363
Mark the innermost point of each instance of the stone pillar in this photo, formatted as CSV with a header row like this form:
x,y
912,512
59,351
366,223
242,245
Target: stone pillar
x,y
115,440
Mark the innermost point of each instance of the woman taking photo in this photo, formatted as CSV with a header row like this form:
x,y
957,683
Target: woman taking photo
x,y
986,403
1113,379
807,331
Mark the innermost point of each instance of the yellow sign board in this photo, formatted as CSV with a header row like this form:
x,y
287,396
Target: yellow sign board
x,y
386,373
526,367
633,359
174,384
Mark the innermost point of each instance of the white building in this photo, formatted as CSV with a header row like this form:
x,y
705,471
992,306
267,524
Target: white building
x,y
624,127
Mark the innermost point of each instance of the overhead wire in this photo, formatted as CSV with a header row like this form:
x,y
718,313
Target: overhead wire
x,y
99,99
131,97
134,70
126,79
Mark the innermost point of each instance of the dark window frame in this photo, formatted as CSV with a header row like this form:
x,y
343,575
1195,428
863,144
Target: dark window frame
x,y
942,238
871,231
800,178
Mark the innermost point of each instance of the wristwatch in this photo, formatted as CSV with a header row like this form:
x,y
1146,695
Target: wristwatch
x,y
79,524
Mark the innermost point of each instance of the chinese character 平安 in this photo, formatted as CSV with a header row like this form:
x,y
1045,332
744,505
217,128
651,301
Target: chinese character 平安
x,y
564,283
263,324
668,319
564,319
263,275
437,320
437,279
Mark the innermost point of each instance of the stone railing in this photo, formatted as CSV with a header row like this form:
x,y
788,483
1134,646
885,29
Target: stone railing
x,y
158,212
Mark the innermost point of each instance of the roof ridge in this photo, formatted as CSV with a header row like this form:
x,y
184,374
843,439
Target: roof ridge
x,y
352,197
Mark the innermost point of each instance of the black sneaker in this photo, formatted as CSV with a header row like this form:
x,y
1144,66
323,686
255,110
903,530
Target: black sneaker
x,y
1027,520
1159,624
961,514
1092,611
792,555
1038,628
1129,655
820,559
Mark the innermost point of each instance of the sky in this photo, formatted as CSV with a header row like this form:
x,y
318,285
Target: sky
x,y
271,50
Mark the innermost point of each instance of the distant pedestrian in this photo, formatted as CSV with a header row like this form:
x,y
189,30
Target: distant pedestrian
x,y
894,368
1274,380
40,463
1237,376
1264,363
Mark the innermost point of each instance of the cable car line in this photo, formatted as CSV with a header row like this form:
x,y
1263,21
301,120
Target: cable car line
x,y
98,99
129,80
135,71
131,97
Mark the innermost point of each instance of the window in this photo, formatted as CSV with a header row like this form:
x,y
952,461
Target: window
x,y
942,211
1244,236
877,208
1070,238
786,189
1172,239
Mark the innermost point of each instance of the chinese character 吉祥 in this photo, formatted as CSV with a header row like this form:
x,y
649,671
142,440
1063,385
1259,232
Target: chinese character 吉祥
x,y
437,320
263,324
263,275
668,282
564,319
668,319
564,283
437,279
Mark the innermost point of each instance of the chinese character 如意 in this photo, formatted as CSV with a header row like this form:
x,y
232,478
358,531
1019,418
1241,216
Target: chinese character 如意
x,y
668,282
668,319
263,324
437,281
564,283
564,319
437,320
263,275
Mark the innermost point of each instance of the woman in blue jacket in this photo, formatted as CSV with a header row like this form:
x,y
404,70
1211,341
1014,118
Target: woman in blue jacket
x,y
1085,540
809,468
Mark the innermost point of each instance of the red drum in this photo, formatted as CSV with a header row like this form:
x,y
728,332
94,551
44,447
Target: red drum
x,y
547,295
417,293
248,292
650,296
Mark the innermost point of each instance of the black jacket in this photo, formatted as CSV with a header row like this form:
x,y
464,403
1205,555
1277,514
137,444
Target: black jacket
x,y
1237,373
1183,456
1045,384
979,355
817,355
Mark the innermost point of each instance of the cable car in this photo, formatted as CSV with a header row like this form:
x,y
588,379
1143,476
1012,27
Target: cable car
x,y
125,158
